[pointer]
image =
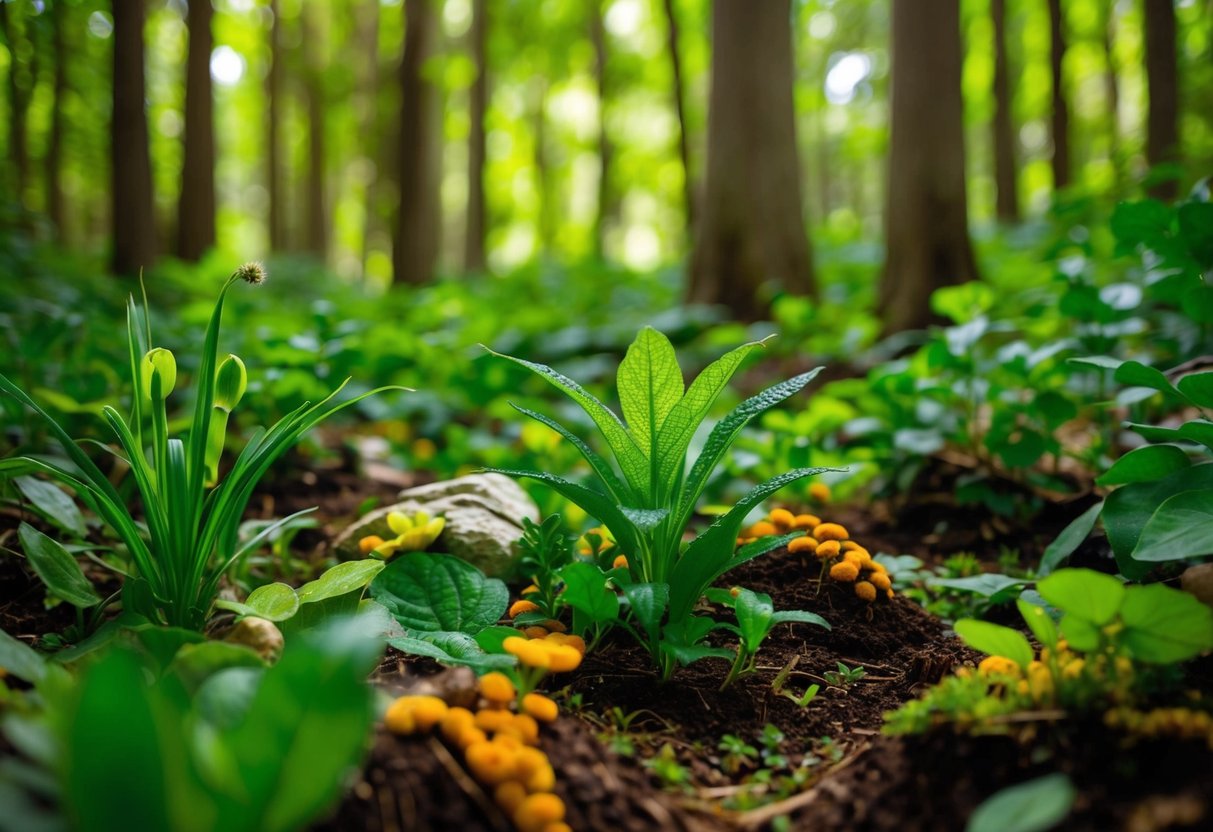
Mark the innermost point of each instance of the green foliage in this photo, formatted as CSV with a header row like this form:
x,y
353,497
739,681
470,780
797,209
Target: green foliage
x,y
1035,806
756,618
435,593
544,549
338,592
191,528
647,504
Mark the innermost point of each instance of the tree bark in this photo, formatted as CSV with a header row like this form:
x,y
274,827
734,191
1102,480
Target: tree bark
x,y
926,218
1162,84
133,217
1060,123
20,89
54,146
418,228
607,205
273,152
316,220
196,205
751,233
1005,179
1111,87
367,26
478,104
684,151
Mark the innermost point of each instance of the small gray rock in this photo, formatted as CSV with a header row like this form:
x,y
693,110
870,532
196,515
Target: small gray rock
x,y
483,520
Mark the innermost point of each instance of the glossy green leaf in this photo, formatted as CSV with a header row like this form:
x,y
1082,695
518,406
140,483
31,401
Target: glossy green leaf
x,y
440,593
275,602
1090,595
456,649
799,617
995,640
1180,529
1071,537
57,568
1198,387
1039,622
1198,430
986,585
53,504
586,590
1164,625
648,603
1146,464
1129,508
755,617
1035,806
1136,374
650,384
341,579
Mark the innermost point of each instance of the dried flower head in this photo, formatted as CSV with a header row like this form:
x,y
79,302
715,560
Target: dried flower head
x,y
251,272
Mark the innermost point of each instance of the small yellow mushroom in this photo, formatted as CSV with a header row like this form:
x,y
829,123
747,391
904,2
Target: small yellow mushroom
x,y
763,529
827,549
497,688
803,545
563,657
831,531
820,492
493,720
997,666
540,707
806,522
844,571
410,714
456,721
529,590
865,591
880,580
470,736
536,631
369,543
537,811
556,626
491,763
520,607
781,518
509,796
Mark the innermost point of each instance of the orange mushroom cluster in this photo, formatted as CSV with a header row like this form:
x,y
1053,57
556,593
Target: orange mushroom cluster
x,y
500,746
842,559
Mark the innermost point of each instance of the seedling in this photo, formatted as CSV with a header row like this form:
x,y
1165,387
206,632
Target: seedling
x,y
844,676
781,679
756,617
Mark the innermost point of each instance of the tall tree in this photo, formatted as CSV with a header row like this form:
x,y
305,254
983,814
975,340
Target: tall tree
x,y
751,229
926,217
53,163
366,25
680,108
1111,85
273,150
1005,179
1060,123
316,207
21,77
1162,82
133,219
196,205
607,203
419,221
478,104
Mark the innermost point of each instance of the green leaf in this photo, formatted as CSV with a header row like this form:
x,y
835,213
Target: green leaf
x,y
1129,508
1196,228
648,603
615,487
1038,622
1164,625
986,585
1146,221
53,504
645,519
1198,387
1198,430
1035,806
1102,362
195,663
1197,303
1090,595
454,649
686,654
57,568
1147,464
1071,537
586,590
1080,633
436,593
995,640
275,602
342,579
799,617
1181,528
650,384
21,660
755,617
1136,374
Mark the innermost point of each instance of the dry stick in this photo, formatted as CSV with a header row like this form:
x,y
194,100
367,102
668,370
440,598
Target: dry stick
x,y
757,818
469,786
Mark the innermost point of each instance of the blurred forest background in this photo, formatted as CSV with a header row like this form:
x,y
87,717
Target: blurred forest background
x,y
397,141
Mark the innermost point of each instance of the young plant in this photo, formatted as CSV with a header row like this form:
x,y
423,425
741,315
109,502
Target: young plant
x,y
191,519
546,549
779,683
756,617
844,676
648,503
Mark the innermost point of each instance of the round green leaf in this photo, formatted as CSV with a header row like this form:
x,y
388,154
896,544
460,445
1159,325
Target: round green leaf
x,y
1198,387
341,579
275,602
995,640
1153,462
1164,625
1181,528
1038,622
1034,806
1090,595
440,593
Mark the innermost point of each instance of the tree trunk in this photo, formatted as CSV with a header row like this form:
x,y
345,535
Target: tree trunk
x,y
1060,123
1162,83
1005,179
751,232
418,229
20,88
316,220
478,103
607,206
926,219
546,231
680,107
196,206
367,26
133,218
273,151
54,145
1111,87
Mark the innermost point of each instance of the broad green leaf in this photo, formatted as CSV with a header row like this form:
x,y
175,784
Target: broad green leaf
x,y
995,640
632,461
648,603
440,593
1136,374
1164,625
1090,595
1038,622
341,579
1102,362
586,590
645,519
1129,508
195,663
799,617
1181,528
53,504
1196,228
726,430
1198,387
275,602
755,614
1143,222
687,654
1146,464
616,487
986,585
57,568
163,643
1080,633
1198,430
686,417
21,660
1197,303
1035,806
650,384
454,649
1071,537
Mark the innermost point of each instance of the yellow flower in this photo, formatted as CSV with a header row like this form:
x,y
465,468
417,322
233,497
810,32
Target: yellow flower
x,y
997,666
368,544
844,571
413,534
865,591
